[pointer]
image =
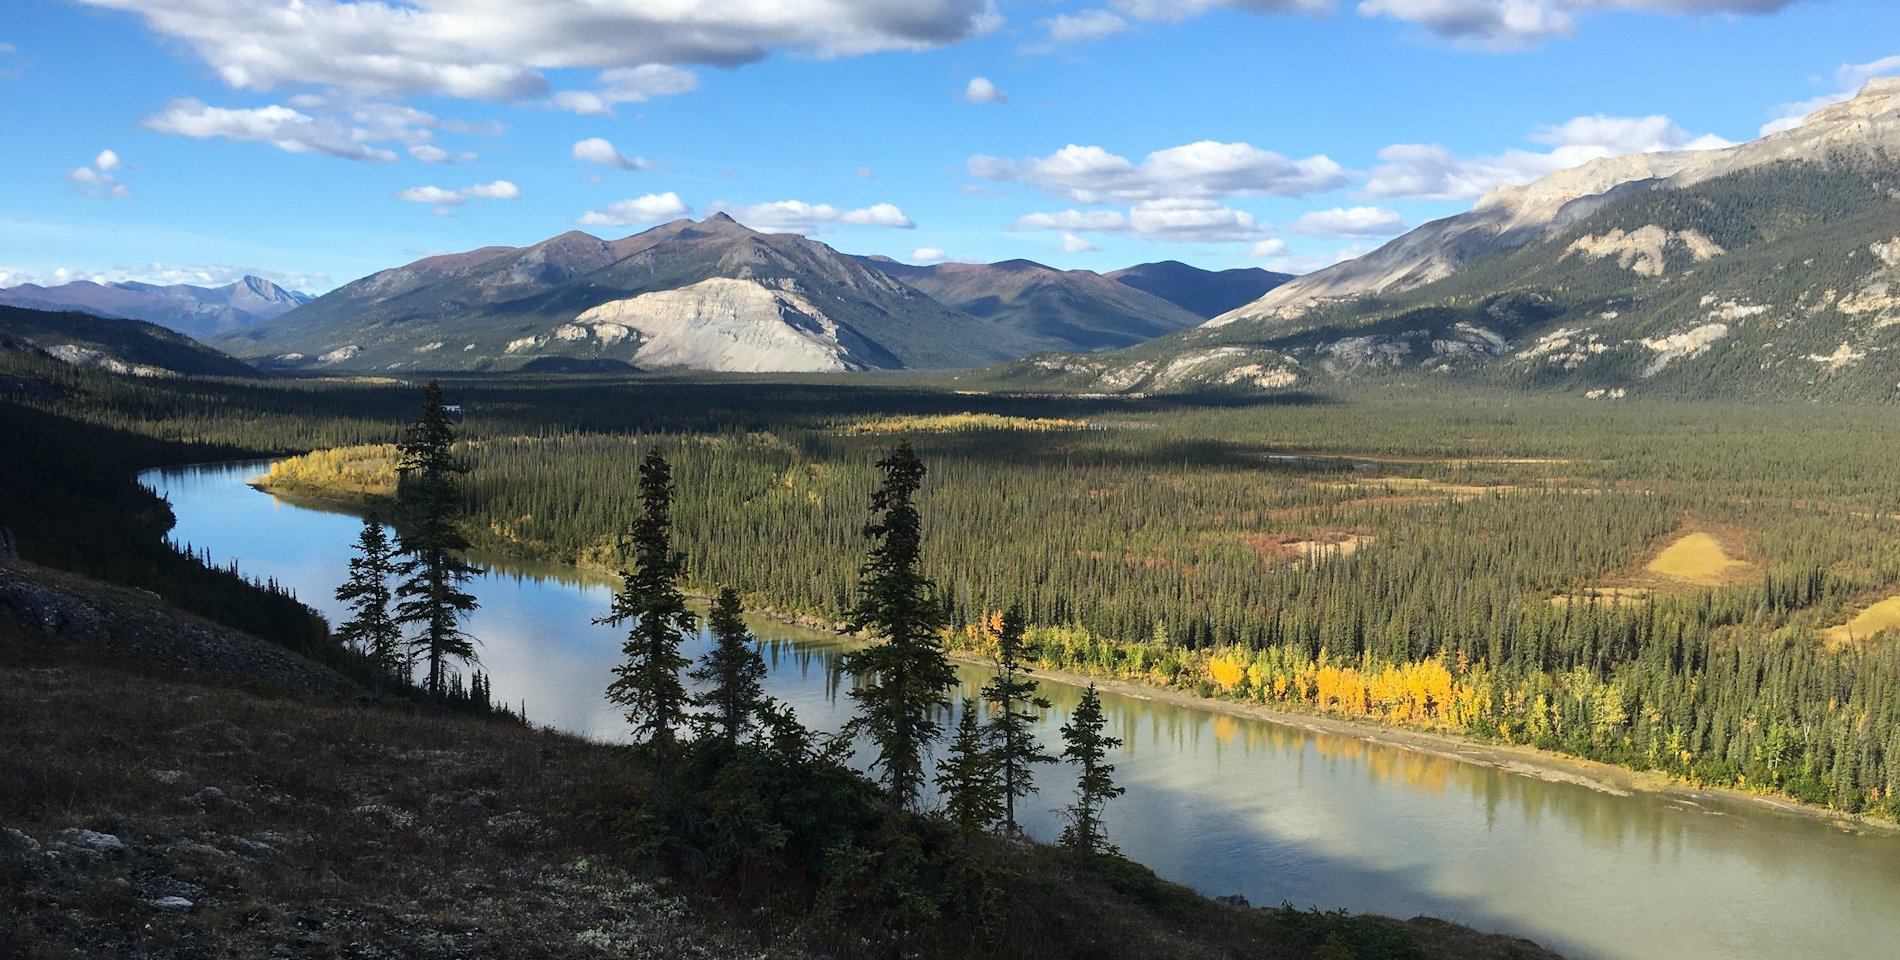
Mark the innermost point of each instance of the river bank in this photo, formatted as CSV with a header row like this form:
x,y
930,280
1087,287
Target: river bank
x,y
1519,759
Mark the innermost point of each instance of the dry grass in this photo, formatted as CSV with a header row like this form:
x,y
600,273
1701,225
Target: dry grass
x,y
1882,615
1700,559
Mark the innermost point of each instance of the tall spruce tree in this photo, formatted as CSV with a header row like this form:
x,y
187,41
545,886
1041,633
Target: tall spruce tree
x,y
429,497
969,778
372,629
733,674
903,682
1086,745
648,684
1017,708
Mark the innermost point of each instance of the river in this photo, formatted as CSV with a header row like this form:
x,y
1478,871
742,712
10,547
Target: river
x,y
1221,803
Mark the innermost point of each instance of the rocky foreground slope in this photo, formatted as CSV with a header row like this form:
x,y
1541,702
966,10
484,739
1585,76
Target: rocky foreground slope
x,y
153,814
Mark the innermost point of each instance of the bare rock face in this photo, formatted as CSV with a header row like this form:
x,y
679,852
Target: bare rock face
x,y
722,324
1862,129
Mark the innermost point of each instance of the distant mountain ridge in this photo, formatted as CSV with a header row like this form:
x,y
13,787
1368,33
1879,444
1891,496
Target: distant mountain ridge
x,y
1060,309
1204,293
114,343
1766,270
701,295
199,312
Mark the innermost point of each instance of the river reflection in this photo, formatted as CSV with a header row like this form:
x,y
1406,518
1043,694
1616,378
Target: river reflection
x,y
1224,803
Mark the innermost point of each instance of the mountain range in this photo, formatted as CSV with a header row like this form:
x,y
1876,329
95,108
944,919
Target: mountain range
x,y
199,312
1765,269
715,295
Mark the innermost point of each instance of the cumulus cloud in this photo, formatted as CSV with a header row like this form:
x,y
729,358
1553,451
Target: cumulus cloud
x,y
928,255
598,150
1350,222
981,90
1074,244
650,208
282,127
1090,174
625,85
1091,220
445,200
499,49
1270,247
430,153
1190,219
797,216
1848,78
1481,24
1076,29
1417,171
100,179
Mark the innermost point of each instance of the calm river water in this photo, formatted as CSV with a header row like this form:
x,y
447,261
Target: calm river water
x,y
1223,804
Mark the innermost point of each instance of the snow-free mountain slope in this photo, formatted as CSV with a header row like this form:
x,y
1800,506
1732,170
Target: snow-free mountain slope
x,y
1204,293
194,311
503,308
1058,309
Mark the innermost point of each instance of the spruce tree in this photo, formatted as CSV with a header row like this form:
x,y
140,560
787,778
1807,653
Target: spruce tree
x,y
430,499
1017,708
648,684
969,778
733,674
1086,745
372,629
902,682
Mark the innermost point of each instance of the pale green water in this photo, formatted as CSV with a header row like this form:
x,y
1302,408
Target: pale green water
x,y
1230,805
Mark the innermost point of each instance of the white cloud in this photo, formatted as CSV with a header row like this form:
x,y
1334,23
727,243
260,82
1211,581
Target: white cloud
x,y
601,151
1270,247
1481,24
1089,26
1090,174
430,153
1350,222
1417,171
650,208
282,127
1093,220
498,190
445,200
1849,78
625,85
499,49
1190,219
197,275
1278,257
1516,24
981,90
1074,244
98,180
866,173
797,216
928,255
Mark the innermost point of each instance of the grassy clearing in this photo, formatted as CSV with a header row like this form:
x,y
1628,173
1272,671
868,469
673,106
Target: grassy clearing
x,y
1883,615
1699,559
963,422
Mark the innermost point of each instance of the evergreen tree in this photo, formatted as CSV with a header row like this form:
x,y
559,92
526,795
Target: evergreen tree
x,y
430,499
1017,708
733,673
969,778
372,629
902,683
1086,745
648,683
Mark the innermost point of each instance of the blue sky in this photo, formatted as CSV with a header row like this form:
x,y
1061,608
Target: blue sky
x,y
316,142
